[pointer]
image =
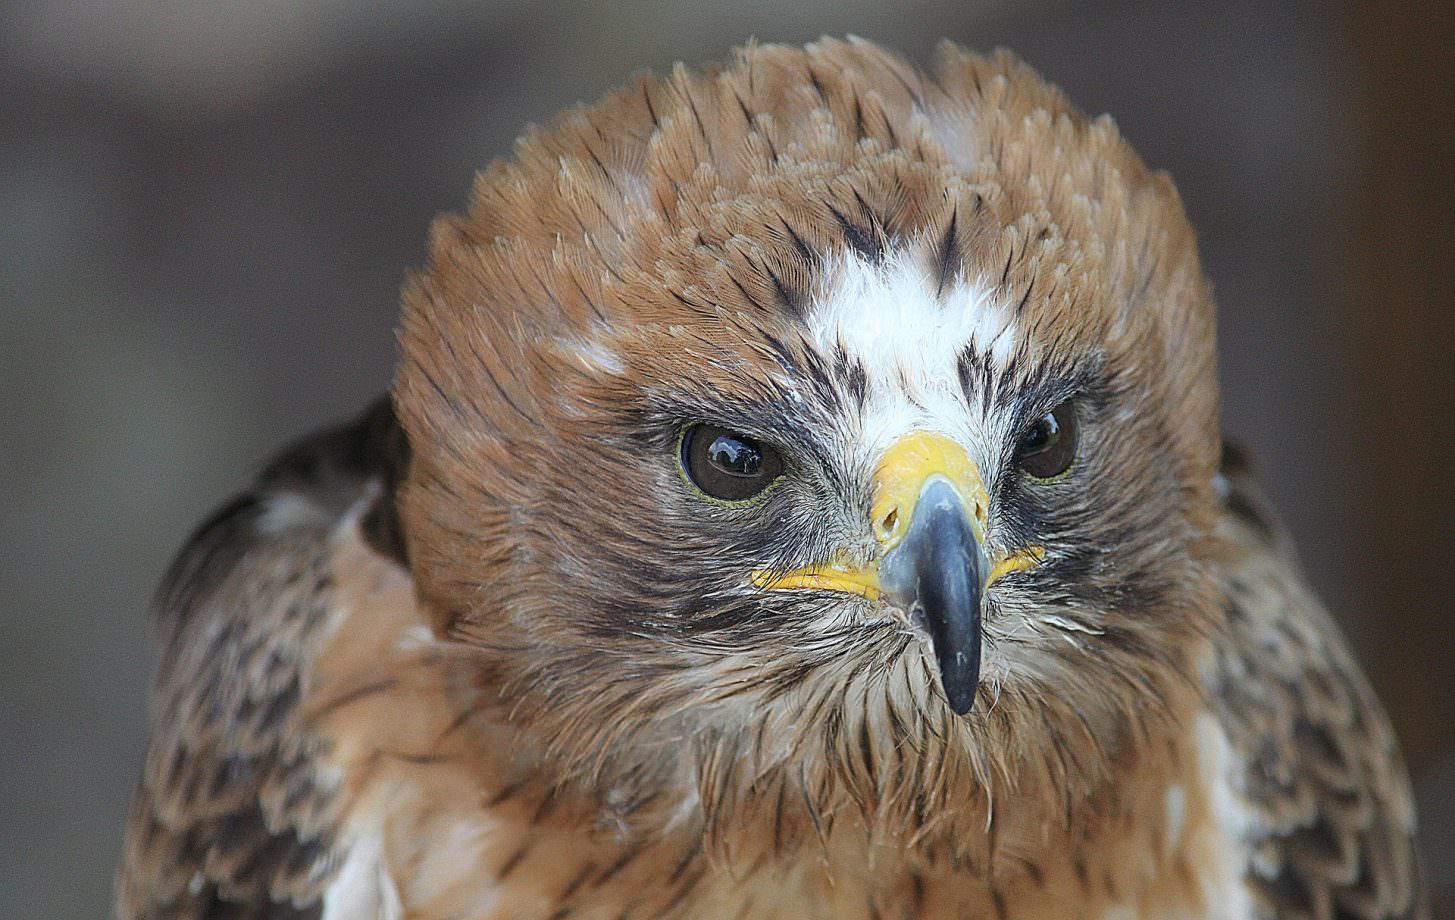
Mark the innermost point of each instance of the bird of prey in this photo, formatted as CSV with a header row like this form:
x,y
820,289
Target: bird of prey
x,y
801,496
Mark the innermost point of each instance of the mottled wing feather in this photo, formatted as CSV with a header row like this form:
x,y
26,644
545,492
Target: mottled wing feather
x,y
1332,823
232,817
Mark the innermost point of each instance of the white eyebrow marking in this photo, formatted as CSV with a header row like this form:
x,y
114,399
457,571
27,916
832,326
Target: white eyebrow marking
x,y
892,319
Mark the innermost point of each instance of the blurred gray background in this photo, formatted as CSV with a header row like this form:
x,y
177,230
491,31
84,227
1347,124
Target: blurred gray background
x,y
207,208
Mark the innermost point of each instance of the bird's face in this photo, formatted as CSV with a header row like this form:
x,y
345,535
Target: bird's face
x,y
878,454
907,485
920,480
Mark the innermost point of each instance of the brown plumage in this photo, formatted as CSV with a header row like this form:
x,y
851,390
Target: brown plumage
x,y
496,650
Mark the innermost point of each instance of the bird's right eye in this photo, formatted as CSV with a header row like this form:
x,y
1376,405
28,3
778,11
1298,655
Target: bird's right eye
x,y
728,466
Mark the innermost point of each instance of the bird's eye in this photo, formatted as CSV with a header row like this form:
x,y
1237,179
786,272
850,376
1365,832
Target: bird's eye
x,y
728,466
1048,447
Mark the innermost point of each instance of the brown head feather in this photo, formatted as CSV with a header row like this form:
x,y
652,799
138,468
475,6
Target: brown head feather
x,y
658,255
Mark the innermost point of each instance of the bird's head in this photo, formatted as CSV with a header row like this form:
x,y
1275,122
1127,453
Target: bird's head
x,y
822,416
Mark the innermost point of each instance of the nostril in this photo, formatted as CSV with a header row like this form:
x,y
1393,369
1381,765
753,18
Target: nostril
x,y
886,525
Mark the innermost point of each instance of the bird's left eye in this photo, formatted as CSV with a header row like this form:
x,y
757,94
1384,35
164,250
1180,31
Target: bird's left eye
x,y
726,465
1047,448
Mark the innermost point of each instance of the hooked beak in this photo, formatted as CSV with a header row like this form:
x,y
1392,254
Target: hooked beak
x,y
929,518
937,575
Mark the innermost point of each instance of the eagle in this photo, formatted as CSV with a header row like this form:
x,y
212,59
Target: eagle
x,y
801,495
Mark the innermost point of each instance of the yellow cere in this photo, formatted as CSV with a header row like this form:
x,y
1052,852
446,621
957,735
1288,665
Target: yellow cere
x,y
906,466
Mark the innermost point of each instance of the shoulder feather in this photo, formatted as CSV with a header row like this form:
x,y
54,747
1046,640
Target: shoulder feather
x,y
233,817
1331,827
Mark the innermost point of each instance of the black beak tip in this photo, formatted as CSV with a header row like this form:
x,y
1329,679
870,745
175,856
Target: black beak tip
x,y
959,692
961,699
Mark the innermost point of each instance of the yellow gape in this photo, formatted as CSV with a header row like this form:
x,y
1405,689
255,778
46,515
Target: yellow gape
x,y
900,479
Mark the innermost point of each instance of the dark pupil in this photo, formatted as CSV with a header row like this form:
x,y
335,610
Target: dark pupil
x,y
735,456
1045,433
